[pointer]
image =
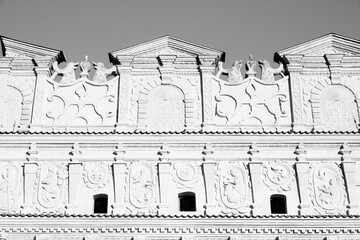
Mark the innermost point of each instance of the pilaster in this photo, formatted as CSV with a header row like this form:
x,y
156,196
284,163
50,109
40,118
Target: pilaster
x,y
164,179
302,172
42,74
207,69
30,170
75,173
119,169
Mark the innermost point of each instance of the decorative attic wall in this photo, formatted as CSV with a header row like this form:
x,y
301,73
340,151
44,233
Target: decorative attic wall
x,y
325,83
169,84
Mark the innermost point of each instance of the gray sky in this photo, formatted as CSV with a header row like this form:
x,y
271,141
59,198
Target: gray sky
x,y
97,27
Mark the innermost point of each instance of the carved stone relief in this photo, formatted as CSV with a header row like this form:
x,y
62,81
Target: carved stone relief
x,y
96,175
142,188
278,176
10,187
186,174
233,188
51,187
80,103
327,188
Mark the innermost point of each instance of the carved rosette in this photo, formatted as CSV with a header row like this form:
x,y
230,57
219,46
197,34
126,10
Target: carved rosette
x,y
96,175
232,188
9,187
327,188
51,187
186,175
142,187
278,176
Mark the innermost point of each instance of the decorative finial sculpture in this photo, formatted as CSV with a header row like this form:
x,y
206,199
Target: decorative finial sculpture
x,y
250,67
234,73
68,73
268,73
85,67
102,72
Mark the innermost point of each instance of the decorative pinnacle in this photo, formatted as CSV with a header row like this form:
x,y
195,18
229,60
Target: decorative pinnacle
x,y
85,67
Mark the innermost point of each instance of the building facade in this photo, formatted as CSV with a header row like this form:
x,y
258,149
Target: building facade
x,y
170,144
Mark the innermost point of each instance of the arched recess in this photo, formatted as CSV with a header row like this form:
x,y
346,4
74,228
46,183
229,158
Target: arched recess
x,y
11,106
166,107
334,108
27,94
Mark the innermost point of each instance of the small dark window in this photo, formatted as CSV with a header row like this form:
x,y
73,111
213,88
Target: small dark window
x,y
278,204
100,203
187,202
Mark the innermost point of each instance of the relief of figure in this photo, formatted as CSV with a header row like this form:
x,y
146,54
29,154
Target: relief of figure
x,y
67,73
51,185
142,188
327,188
234,73
102,73
8,184
233,187
268,73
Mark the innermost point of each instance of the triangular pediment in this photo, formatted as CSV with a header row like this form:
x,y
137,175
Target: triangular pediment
x,y
166,45
329,44
18,49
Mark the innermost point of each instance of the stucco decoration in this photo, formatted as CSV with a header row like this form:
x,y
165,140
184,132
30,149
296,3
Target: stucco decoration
x,y
233,188
51,187
186,174
10,187
338,108
327,188
80,102
278,176
142,185
96,175
254,101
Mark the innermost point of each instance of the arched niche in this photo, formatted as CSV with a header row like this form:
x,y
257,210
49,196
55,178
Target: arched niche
x,y
164,108
11,104
334,108
338,109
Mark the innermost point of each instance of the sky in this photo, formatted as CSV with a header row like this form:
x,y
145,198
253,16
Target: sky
x,y
237,27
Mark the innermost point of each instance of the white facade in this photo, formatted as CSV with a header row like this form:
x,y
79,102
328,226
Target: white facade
x,y
169,144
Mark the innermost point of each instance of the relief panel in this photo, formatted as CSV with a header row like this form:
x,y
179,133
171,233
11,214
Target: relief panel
x,y
81,102
327,188
278,176
96,175
186,174
233,188
142,186
10,108
51,187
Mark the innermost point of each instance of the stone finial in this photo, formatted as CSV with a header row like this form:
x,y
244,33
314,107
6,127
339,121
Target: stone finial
x,y
250,67
300,152
102,73
85,67
32,153
268,73
345,152
164,152
76,152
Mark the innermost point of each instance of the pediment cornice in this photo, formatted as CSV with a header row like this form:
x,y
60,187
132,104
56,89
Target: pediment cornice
x,y
166,45
331,43
22,50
